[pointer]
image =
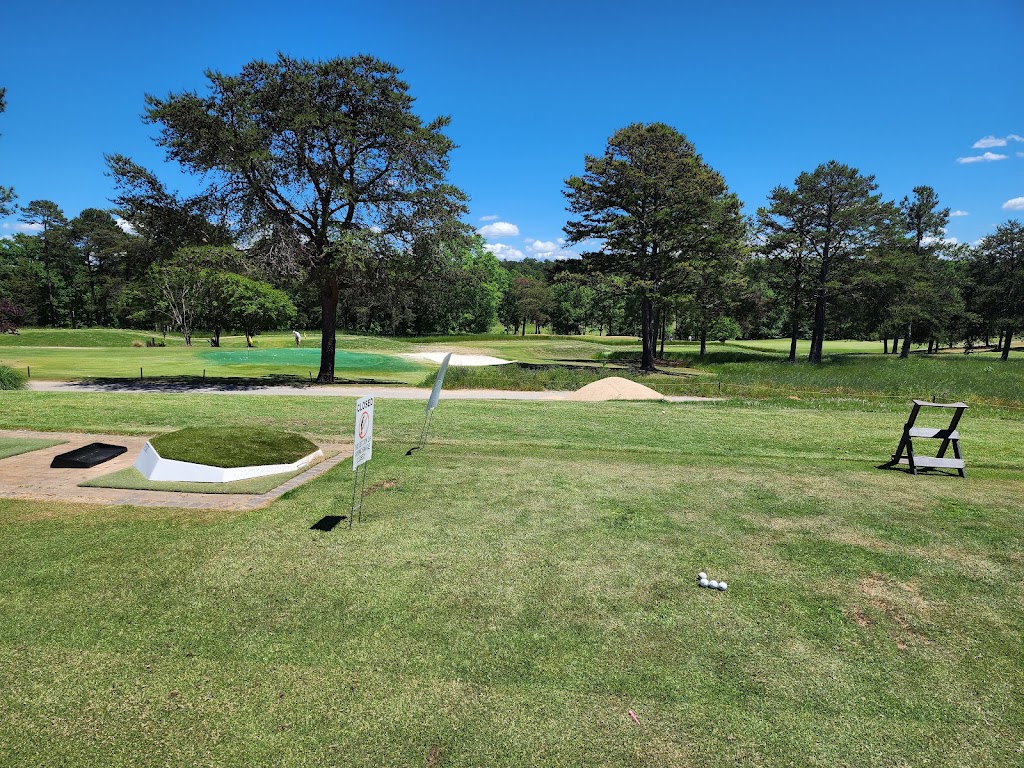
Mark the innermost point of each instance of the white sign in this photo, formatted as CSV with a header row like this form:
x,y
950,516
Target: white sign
x,y
435,394
362,451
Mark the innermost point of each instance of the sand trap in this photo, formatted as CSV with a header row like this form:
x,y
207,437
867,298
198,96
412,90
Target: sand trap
x,y
438,357
614,388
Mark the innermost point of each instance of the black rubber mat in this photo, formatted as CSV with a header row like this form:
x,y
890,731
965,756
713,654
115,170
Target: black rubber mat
x,y
87,456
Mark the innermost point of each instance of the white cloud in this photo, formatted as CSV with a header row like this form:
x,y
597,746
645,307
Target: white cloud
x,y
506,252
989,141
499,229
538,246
1016,204
550,249
1015,137
939,241
489,218
988,157
124,225
20,226
1020,154
959,213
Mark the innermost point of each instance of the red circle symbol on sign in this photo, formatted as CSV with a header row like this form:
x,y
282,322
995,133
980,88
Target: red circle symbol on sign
x,y
364,424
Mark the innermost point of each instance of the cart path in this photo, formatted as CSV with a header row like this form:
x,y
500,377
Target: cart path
x,y
320,390
28,476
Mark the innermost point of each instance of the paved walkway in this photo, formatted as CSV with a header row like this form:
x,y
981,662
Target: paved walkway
x,y
318,390
29,476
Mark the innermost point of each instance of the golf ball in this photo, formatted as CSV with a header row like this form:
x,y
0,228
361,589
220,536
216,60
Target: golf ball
x,y
723,586
704,582
713,584
702,575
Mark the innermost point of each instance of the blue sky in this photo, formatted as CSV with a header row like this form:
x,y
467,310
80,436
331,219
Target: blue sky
x,y
901,90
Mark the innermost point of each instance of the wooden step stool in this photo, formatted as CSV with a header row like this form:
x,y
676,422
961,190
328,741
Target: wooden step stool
x,y
949,437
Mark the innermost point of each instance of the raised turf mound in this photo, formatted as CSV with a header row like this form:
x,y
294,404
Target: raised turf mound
x,y
220,455
614,388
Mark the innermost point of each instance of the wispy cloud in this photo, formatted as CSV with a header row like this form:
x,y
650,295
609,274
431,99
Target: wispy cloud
x,y
1015,204
493,217
988,157
505,252
499,229
959,213
989,141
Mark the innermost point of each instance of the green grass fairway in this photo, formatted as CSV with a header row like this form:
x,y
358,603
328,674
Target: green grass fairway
x,y
108,355
13,446
520,584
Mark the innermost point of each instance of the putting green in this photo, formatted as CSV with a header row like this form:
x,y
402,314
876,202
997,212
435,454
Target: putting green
x,y
309,358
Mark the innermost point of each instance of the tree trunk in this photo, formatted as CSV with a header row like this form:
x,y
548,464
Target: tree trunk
x,y
647,334
524,326
818,335
999,343
328,326
794,332
1007,340
905,352
703,340
885,345
664,323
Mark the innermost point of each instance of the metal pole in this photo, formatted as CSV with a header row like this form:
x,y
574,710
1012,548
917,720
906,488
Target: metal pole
x,y
362,487
426,428
355,484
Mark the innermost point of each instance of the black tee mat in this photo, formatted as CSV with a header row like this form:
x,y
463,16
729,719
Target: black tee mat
x,y
87,456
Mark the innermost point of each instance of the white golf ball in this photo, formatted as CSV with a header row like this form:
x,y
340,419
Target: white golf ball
x,y
713,584
702,575
704,582
723,586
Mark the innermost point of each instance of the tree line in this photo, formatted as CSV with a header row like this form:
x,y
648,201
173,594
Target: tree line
x,y
326,203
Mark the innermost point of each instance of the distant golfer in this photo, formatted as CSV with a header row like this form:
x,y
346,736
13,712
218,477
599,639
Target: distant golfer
x,y
298,338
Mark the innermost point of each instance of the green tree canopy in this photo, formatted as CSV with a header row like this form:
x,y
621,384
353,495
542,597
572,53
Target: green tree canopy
x,y
831,215
317,159
648,201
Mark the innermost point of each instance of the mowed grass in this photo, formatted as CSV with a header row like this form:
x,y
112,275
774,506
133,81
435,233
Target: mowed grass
x,y
519,585
131,479
241,446
103,354
14,446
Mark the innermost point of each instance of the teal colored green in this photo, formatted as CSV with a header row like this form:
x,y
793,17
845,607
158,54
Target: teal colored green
x,y
308,358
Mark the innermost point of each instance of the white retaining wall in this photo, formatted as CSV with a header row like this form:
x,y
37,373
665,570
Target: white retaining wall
x,y
154,467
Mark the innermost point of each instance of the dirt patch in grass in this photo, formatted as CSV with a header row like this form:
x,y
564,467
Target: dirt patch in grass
x,y
381,485
894,599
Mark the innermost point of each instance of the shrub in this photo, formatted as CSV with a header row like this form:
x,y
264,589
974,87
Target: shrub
x,y
137,343
10,378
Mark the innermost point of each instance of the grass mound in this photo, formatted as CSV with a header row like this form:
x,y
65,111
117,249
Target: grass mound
x,y
229,447
10,378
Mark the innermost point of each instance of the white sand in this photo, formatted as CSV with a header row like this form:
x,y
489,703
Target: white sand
x,y
614,388
468,360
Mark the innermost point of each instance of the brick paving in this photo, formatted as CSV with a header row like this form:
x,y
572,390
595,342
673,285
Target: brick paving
x,y
28,476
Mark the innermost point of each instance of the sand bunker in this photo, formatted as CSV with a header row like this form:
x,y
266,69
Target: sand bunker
x,y
438,357
614,388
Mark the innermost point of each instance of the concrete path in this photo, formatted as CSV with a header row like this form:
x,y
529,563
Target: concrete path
x,y
318,390
29,476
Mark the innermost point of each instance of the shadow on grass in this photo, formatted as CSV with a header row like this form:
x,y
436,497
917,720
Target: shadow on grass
x,y
328,523
220,383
